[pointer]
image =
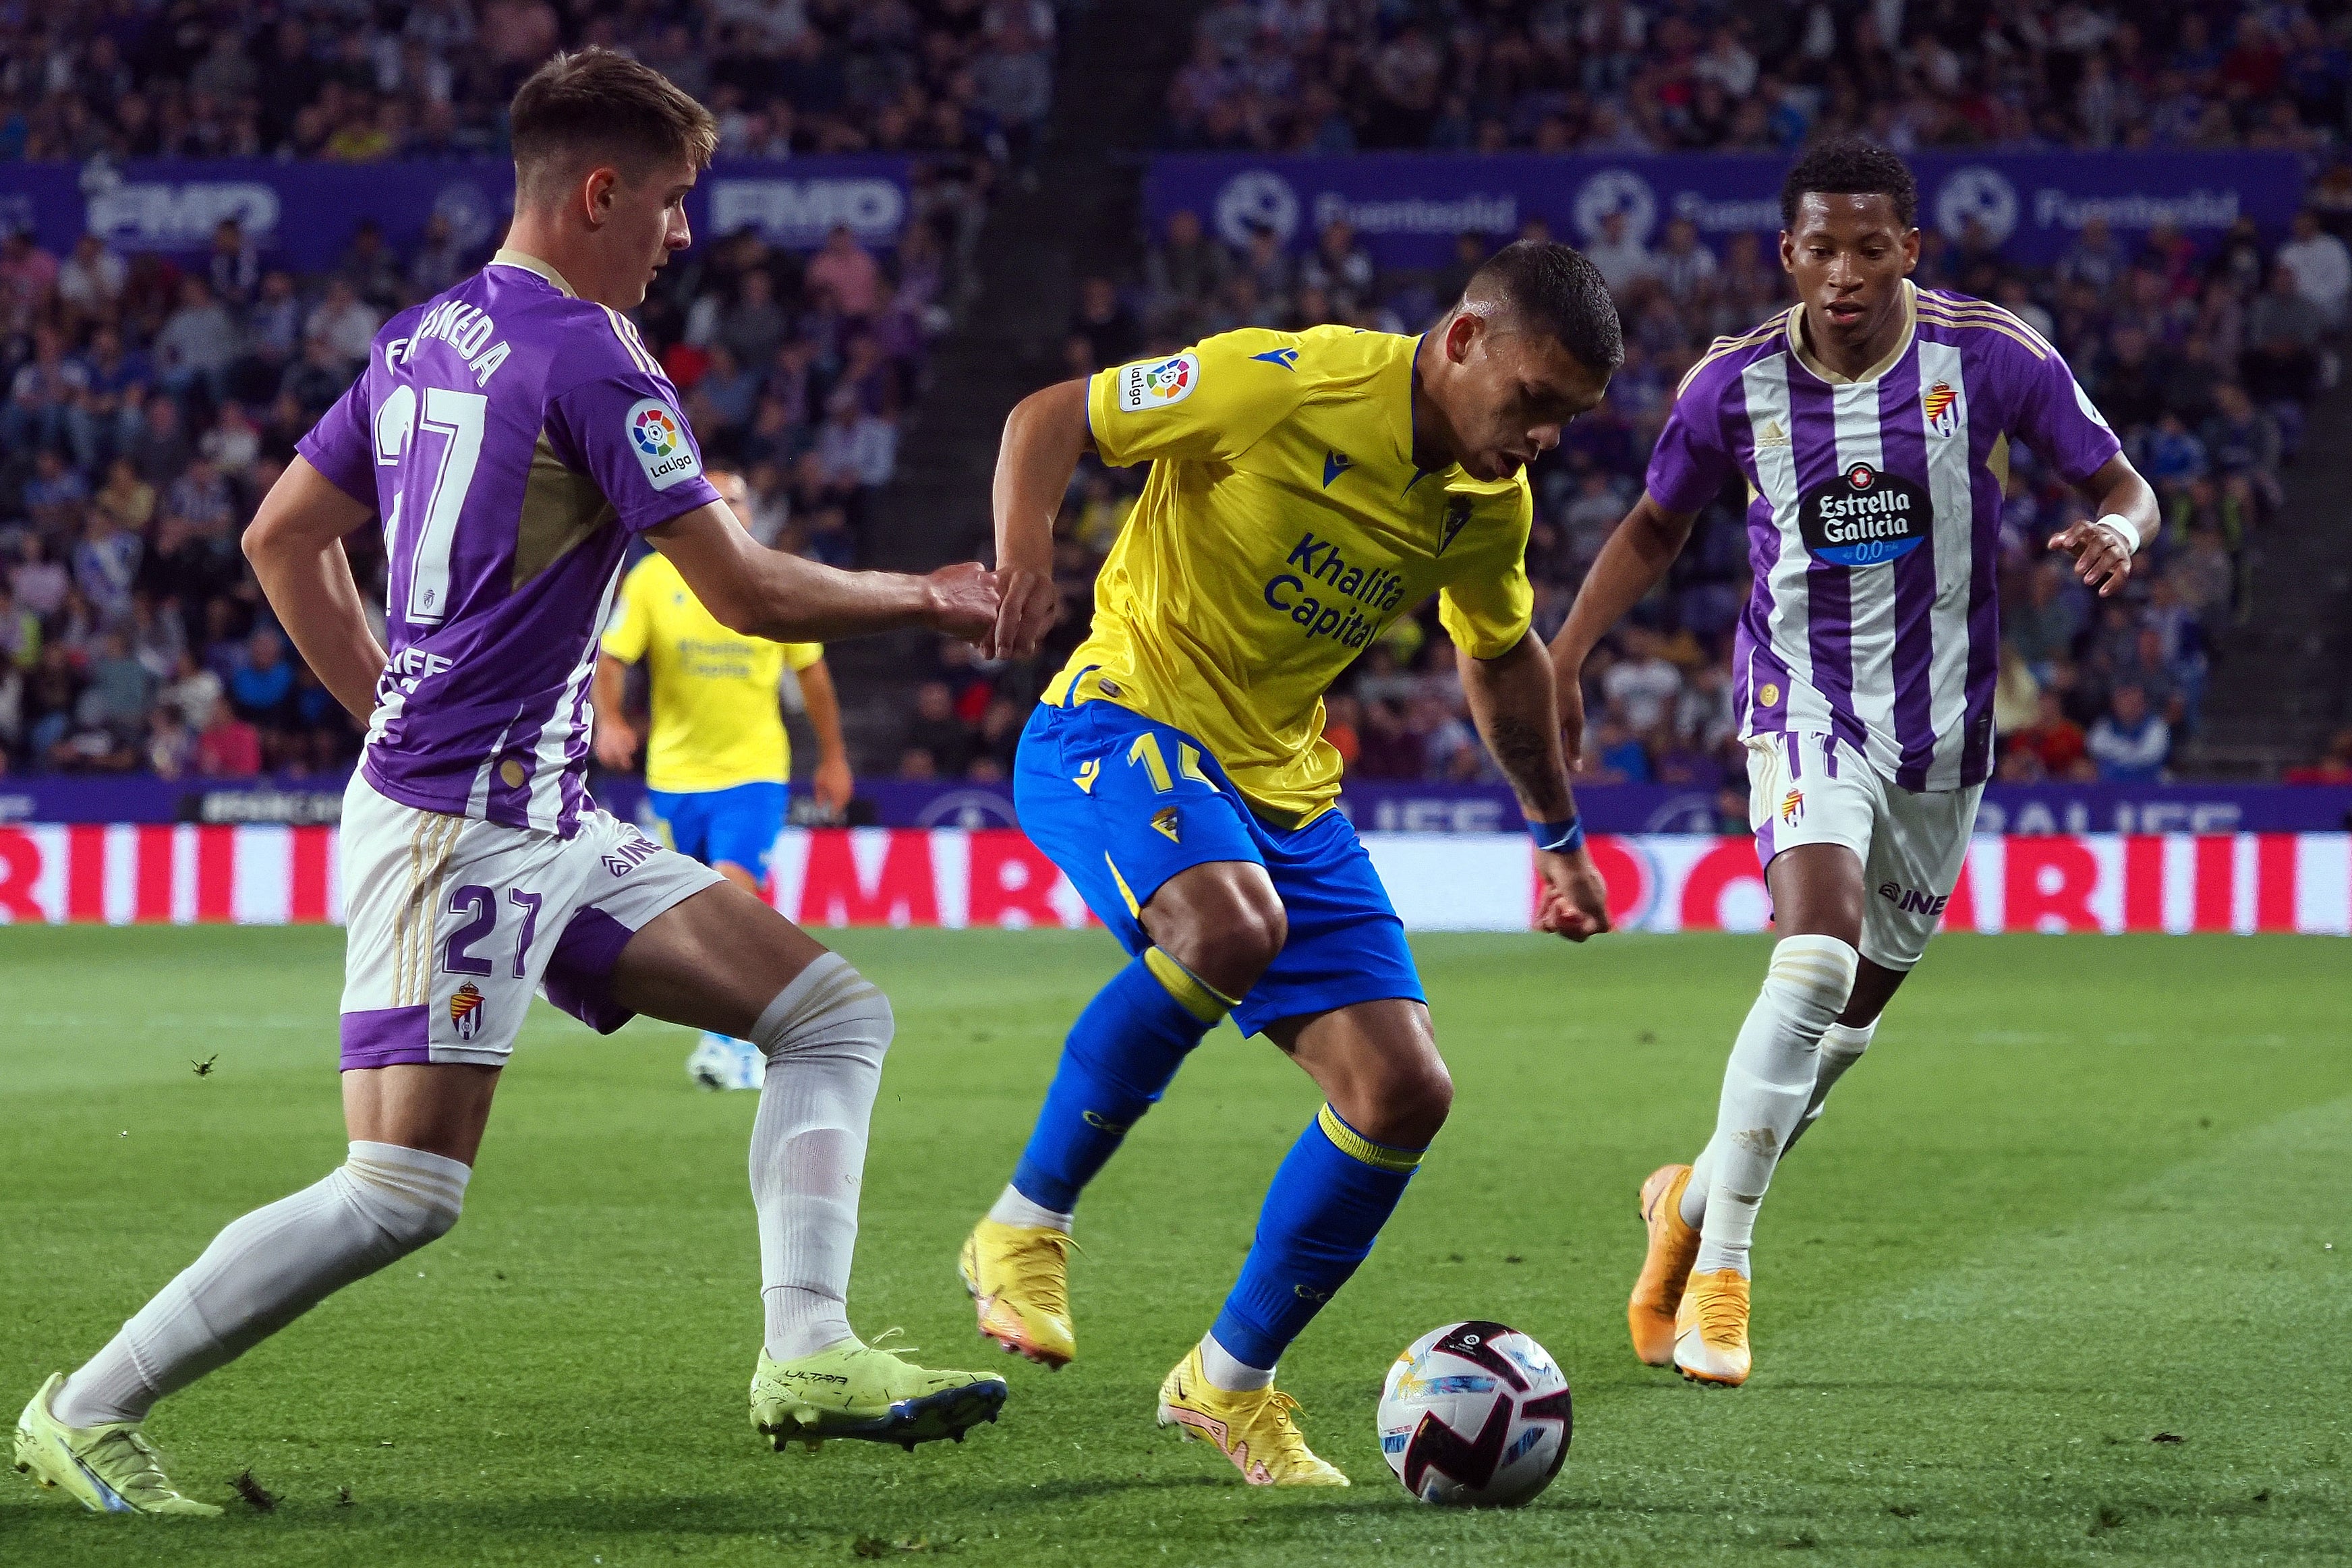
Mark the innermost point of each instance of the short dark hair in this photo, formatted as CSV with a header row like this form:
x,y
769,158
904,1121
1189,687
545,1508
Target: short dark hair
x,y
599,104
1850,166
1550,287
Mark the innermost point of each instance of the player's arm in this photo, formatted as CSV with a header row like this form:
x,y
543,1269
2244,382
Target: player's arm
x,y
2055,417
1632,562
1044,435
296,545
2128,517
760,593
1510,699
1212,402
832,784
616,739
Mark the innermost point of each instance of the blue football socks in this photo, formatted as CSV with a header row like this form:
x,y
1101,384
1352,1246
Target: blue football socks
x,y
1335,1189
1120,1056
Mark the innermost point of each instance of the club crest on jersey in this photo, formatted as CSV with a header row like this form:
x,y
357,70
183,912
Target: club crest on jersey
x,y
1792,808
1457,516
466,1011
658,439
1157,386
1864,516
1164,821
1942,407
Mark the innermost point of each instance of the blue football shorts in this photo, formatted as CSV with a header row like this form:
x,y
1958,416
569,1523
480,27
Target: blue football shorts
x,y
1122,803
734,827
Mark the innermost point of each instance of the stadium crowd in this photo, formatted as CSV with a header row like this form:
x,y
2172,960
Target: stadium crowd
x,y
2205,359
422,79
146,405
1625,77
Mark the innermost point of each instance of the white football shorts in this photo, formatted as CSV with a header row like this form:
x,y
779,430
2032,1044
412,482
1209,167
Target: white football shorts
x,y
1817,789
452,925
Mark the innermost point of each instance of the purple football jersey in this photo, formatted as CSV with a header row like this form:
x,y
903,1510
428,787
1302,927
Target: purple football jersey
x,y
514,438
1873,522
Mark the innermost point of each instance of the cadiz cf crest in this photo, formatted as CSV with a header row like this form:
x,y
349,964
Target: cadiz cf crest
x,y
1164,819
466,1011
1457,514
1792,808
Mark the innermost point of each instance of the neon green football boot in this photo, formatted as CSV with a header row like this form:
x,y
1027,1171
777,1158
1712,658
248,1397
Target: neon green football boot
x,y
111,1468
857,1390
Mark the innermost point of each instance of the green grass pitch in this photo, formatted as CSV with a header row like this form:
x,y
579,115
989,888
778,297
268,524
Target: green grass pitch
x,y
2082,1193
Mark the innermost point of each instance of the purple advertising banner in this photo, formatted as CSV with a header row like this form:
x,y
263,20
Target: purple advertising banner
x,y
1408,206
1372,806
301,214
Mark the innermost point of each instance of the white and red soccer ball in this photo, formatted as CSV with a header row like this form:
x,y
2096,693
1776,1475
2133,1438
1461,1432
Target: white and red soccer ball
x,y
1475,1415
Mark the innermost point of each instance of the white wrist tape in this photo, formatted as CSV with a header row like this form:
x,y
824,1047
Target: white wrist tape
x,y
2124,526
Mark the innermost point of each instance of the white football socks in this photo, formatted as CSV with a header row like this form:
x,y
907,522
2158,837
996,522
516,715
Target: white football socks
x,y
1766,1086
825,1037
265,1270
1842,1047
1011,1208
1227,1372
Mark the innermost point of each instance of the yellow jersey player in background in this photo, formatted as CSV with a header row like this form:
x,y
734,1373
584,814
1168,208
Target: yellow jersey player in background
x,y
1308,489
719,763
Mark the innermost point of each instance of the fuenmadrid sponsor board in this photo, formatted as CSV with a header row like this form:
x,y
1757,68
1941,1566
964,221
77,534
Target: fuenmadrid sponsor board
x,y
1407,207
302,215
949,877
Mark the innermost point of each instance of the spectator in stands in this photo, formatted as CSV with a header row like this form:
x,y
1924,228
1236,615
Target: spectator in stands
x,y
845,274
105,563
261,691
1103,319
1642,687
2131,742
227,747
1684,266
2321,266
2334,767
1619,253
858,449
199,342
2054,742
936,735
345,323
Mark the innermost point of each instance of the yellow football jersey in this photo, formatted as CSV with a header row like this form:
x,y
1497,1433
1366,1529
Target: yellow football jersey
x,y
1283,528
716,719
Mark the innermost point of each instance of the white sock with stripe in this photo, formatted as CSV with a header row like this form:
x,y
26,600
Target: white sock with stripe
x,y
825,1037
266,1269
1766,1086
1842,1046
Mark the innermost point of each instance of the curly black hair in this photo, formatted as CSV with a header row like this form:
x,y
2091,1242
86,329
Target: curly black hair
x,y
1848,165
1554,290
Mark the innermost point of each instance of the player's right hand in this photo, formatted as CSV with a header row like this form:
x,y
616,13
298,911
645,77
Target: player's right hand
x,y
1025,613
1576,901
963,600
615,743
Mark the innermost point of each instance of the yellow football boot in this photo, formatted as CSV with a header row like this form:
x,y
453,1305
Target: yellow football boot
x,y
1666,1267
857,1390
111,1468
1253,1428
1711,1329
1019,1277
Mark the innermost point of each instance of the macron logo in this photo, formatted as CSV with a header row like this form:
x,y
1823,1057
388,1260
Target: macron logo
x,y
1286,358
1334,465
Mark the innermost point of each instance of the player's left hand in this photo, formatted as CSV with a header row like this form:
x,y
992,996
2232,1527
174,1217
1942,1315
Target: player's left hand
x,y
963,600
2103,559
832,786
1026,613
1576,901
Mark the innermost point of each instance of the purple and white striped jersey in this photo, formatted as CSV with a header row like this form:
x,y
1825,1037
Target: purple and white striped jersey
x,y
514,438
1873,521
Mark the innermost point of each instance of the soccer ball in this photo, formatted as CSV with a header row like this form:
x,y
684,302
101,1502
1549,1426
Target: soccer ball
x,y
1475,1415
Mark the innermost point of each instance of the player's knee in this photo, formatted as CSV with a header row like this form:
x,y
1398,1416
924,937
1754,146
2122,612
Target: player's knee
x,y
1402,1100
828,1006
1233,943
412,1197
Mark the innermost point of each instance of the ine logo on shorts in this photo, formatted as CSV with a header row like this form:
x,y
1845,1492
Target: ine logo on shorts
x,y
660,443
1157,386
466,1011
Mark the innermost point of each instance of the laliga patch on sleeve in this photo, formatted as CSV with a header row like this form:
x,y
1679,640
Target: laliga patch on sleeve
x,y
2090,410
659,438
1158,385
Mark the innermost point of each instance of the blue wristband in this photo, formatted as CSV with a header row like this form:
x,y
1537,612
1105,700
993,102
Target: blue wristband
x,y
1560,837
